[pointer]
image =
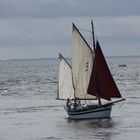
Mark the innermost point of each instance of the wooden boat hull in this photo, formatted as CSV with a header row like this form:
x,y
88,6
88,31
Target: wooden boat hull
x,y
91,113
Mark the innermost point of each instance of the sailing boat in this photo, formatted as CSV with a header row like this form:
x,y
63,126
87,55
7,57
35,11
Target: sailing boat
x,y
87,79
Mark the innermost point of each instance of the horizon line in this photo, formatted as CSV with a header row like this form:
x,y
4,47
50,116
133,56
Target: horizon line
x,y
45,58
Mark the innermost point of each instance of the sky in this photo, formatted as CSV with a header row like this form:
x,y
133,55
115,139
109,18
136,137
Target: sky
x,y
43,28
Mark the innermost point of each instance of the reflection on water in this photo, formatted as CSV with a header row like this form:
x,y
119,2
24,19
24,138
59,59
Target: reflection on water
x,y
98,128
29,111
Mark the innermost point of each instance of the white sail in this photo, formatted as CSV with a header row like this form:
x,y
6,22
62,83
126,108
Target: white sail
x,y
65,80
82,62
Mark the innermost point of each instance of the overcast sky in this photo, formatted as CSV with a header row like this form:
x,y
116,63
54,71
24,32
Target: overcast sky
x,y
42,28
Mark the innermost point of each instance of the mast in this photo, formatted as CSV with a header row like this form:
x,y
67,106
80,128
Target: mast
x,y
93,41
93,37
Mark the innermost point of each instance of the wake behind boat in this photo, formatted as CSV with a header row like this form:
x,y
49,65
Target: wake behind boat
x,y
87,79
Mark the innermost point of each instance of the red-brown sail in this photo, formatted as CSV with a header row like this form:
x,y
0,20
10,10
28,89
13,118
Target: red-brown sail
x,y
102,83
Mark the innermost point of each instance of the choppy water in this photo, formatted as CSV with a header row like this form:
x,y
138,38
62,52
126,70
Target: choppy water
x,y
29,111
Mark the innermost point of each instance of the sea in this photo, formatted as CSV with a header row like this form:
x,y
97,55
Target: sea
x,y
29,109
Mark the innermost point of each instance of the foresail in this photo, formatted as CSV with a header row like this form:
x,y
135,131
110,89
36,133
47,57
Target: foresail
x,y
102,83
82,62
65,80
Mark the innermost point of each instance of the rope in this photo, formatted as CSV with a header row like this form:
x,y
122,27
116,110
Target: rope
x,y
121,104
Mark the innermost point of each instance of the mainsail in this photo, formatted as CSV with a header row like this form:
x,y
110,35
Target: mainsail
x,y
65,80
102,83
82,63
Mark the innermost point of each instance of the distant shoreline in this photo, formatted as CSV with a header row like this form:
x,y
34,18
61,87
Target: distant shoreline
x,y
54,58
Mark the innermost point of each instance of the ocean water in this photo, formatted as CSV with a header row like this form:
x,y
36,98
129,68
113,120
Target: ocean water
x,y
29,111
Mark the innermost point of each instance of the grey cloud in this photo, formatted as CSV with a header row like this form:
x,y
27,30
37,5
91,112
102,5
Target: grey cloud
x,y
65,8
22,32
39,28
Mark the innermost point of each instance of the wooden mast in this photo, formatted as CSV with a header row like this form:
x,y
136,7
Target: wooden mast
x,y
93,41
93,37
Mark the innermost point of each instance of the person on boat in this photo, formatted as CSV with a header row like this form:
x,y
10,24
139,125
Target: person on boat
x,y
99,102
75,104
79,103
69,103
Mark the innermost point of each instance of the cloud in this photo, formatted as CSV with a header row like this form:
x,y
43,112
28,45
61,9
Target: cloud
x,y
41,34
65,8
33,28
